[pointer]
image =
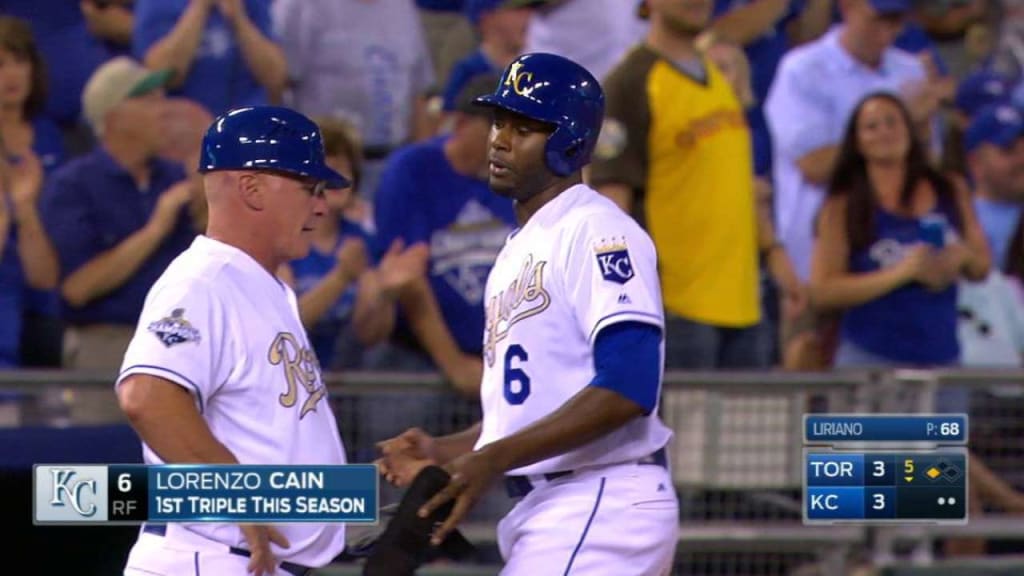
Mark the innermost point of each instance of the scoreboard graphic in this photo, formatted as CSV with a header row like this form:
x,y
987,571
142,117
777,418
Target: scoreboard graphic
x,y
134,494
885,469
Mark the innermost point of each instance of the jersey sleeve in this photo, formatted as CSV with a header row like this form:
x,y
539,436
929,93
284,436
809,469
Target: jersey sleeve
x,y
612,274
182,336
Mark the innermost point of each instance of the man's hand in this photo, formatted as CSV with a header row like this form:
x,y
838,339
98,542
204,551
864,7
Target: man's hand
x,y
403,456
472,474
232,10
259,538
795,294
168,206
399,267
352,258
924,98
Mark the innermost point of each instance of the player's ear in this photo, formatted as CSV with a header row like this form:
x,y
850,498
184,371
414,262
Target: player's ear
x,y
251,192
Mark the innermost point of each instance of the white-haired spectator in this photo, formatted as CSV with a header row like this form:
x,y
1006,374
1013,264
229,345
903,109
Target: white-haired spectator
x,y
115,215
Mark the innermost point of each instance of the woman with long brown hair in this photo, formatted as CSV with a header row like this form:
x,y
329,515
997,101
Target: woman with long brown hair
x,y
894,237
30,146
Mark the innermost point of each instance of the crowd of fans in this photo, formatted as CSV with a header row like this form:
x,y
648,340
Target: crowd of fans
x,y
827,182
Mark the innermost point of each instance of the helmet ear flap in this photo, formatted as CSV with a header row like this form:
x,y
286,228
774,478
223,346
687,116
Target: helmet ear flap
x,y
564,150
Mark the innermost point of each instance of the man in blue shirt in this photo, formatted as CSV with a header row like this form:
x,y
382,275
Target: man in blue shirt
x,y
220,51
994,143
502,32
115,215
436,192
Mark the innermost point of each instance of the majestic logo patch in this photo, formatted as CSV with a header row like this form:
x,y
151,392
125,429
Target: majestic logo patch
x,y
174,329
613,260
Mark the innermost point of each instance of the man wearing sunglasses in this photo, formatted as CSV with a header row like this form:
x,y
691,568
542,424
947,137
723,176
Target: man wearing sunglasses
x,y
220,370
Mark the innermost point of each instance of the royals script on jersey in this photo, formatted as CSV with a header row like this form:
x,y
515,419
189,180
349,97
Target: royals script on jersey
x,y
579,264
219,325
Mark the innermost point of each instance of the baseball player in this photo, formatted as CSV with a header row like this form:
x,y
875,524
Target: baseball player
x,y
220,370
572,354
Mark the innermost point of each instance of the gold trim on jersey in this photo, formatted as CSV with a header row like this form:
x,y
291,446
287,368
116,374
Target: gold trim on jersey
x,y
301,367
503,308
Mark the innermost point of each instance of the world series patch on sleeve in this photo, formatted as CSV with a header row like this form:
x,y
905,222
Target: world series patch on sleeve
x,y
134,494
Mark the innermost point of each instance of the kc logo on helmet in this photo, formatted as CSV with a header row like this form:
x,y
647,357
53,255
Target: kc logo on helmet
x,y
613,260
515,77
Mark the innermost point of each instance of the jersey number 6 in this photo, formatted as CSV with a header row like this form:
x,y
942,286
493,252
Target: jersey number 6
x,y
516,394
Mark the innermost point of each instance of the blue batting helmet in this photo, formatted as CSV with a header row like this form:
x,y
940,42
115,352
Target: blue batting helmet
x,y
560,92
267,138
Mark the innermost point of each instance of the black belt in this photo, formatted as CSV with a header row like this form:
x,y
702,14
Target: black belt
x,y
289,567
519,486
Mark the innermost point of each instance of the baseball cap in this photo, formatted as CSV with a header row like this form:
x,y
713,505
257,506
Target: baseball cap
x,y
477,86
981,89
1001,125
475,9
890,6
114,82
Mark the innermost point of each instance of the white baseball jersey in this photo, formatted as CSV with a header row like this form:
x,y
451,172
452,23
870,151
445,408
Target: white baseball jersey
x,y
578,265
219,325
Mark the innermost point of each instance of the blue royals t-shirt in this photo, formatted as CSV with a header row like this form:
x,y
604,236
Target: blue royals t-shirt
x,y
15,297
910,325
422,199
324,336
219,78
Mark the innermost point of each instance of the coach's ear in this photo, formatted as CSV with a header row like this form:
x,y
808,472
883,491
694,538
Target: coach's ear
x,y
251,192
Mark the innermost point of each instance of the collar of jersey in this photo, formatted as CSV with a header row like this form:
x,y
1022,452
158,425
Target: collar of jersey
x,y
553,210
240,259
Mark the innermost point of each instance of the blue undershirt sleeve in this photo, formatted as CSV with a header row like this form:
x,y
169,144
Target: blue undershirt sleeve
x,y
627,359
